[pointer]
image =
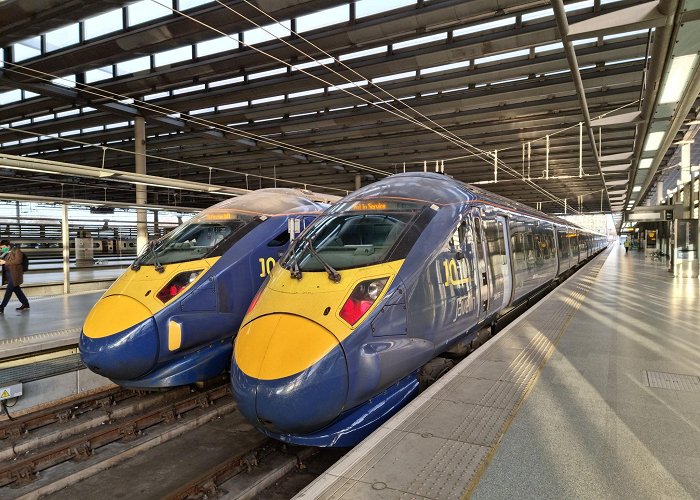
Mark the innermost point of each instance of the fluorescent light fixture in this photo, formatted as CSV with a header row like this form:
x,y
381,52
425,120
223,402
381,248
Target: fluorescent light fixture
x,y
677,78
636,189
654,141
645,162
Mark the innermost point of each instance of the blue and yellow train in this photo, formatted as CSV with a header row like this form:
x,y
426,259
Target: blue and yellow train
x,y
170,319
382,283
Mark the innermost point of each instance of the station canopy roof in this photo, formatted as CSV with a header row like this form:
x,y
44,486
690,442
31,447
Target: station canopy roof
x,y
301,93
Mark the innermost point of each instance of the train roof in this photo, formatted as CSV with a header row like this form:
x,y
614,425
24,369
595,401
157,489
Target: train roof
x,y
442,189
268,201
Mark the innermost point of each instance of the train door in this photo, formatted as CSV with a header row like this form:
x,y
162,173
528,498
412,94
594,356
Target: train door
x,y
482,268
499,259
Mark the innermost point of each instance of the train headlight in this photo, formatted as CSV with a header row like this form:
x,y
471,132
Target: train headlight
x,y
177,285
361,299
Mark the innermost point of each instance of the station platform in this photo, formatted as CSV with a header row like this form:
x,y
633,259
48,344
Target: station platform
x,y
592,393
50,323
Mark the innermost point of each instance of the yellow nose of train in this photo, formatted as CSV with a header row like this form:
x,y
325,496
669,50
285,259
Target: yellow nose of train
x,y
294,371
290,370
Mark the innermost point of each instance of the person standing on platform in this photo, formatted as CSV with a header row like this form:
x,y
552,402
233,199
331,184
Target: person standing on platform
x,y
12,263
628,244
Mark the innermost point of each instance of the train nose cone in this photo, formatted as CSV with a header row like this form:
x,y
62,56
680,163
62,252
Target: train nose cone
x,y
289,374
119,339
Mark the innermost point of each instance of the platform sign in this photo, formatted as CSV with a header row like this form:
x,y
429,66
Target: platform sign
x,y
10,391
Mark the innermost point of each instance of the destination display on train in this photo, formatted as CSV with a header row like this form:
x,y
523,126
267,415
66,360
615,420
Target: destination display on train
x,y
384,204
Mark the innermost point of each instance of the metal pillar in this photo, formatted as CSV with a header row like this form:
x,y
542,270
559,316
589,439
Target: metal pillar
x,y
65,239
140,162
156,229
358,181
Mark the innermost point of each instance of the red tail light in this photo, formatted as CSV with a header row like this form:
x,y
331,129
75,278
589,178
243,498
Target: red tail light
x,y
361,299
177,285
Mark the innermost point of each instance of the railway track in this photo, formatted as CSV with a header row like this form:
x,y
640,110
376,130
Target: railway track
x,y
176,444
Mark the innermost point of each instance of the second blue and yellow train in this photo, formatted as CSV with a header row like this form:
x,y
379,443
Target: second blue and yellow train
x,y
170,319
389,278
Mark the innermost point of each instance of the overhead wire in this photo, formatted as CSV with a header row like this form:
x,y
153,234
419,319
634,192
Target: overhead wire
x,y
448,135
105,94
165,158
405,116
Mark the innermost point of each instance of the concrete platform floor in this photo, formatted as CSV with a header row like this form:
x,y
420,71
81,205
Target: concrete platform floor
x,y
592,427
593,393
50,322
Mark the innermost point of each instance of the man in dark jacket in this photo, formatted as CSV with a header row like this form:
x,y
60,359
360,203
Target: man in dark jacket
x,y
12,274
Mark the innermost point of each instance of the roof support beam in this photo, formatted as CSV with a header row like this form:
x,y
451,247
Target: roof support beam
x,y
644,16
563,26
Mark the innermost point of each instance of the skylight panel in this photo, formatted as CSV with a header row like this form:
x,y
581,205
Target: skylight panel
x,y
264,74
185,90
10,96
551,46
397,76
420,41
65,81
62,37
323,18
500,57
578,5
313,64
363,53
68,112
368,7
267,33
145,10
444,67
221,44
349,85
96,75
104,23
626,33
228,81
27,49
157,95
133,65
306,92
538,14
232,105
191,4
508,21
173,56
263,100
201,111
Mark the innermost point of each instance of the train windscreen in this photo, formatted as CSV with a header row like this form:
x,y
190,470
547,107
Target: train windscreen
x,y
201,237
357,234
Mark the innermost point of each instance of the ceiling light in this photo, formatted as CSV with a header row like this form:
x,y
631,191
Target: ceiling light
x,y
645,163
677,78
636,189
654,141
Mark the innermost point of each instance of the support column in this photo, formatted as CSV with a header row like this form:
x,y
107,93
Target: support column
x,y
358,181
140,162
686,179
156,228
65,239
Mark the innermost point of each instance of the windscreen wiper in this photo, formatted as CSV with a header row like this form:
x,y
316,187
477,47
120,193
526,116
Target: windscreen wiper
x,y
150,248
332,273
294,269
